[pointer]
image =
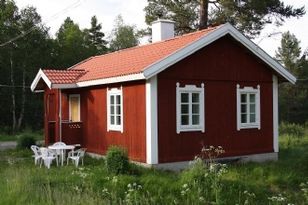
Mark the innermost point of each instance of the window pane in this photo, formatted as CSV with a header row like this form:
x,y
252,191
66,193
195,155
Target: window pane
x,y
252,108
195,97
243,98
252,98
118,120
112,119
184,120
112,109
243,108
195,120
195,108
184,97
118,99
118,110
252,118
184,109
112,99
243,118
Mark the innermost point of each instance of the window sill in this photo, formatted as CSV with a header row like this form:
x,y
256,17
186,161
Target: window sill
x,y
115,128
250,126
190,130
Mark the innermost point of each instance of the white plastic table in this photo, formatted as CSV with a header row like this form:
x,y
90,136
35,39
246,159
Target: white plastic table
x,y
62,148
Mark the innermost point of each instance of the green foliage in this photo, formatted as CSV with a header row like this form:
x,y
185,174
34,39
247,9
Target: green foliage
x,y
248,16
117,160
123,36
291,129
25,46
293,99
95,36
289,52
25,141
249,183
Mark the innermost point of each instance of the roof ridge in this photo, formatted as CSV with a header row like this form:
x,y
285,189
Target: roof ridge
x,y
64,70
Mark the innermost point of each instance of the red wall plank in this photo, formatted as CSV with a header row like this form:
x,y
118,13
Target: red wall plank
x,y
220,66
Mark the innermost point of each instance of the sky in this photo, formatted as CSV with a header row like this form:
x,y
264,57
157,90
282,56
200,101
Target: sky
x,y
54,12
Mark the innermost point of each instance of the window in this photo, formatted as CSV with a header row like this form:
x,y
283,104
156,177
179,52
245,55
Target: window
x,y
190,108
114,109
248,107
74,108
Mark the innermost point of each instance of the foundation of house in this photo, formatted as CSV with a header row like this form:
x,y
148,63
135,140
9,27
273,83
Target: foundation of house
x,y
178,166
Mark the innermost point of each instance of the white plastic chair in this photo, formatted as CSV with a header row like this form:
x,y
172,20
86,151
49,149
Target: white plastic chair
x,y
37,154
48,156
75,156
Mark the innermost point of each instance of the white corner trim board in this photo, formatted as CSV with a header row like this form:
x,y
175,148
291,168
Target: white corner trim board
x,y
275,114
151,121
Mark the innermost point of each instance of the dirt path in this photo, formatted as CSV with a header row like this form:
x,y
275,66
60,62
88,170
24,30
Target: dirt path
x,y
7,145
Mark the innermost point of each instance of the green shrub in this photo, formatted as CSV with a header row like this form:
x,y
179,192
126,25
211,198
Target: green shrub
x,y
291,129
117,160
25,141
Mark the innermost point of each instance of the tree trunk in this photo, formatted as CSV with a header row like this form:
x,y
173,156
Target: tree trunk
x,y
23,99
204,6
13,95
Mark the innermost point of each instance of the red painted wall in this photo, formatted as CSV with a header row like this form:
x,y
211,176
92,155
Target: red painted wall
x,y
94,119
220,66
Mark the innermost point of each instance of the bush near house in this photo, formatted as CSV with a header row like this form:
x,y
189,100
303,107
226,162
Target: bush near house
x,y
282,182
25,141
117,160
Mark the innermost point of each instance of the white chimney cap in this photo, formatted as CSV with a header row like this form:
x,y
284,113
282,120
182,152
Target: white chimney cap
x,y
162,29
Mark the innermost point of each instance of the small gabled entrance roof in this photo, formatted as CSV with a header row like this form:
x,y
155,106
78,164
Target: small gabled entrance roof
x,y
144,62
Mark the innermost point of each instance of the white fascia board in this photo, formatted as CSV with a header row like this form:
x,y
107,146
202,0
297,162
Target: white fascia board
x,y
125,78
261,54
64,86
178,55
40,75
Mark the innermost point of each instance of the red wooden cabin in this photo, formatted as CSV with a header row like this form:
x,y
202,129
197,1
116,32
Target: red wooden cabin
x,y
164,101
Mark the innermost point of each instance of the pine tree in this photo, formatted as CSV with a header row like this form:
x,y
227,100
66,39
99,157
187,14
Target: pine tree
x,y
289,52
293,104
95,37
248,16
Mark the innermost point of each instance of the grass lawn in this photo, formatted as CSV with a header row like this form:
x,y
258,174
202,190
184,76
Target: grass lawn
x,y
23,183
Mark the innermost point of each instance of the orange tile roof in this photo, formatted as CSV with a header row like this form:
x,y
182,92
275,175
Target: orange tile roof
x,y
124,62
64,76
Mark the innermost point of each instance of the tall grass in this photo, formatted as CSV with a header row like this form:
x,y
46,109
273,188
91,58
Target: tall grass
x,y
281,182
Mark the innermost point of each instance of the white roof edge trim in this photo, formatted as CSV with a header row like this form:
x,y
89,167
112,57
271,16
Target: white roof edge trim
x,y
37,78
180,54
125,78
258,51
64,86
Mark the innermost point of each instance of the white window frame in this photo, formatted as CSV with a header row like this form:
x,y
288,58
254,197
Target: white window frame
x,y
189,89
69,106
248,90
114,92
